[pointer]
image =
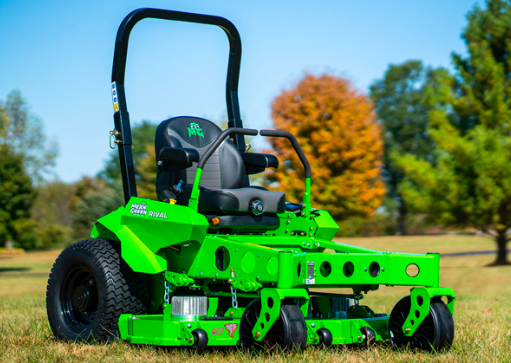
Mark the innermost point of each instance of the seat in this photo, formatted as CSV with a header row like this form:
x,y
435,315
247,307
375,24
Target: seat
x,y
222,187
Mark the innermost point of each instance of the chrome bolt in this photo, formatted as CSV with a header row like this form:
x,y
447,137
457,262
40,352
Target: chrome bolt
x,y
231,313
308,244
288,222
201,273
257,277
190,339
383,268
287,230
313,325
216,275
407,330
359,337
315,339
365,269
189,326
303,243
310,228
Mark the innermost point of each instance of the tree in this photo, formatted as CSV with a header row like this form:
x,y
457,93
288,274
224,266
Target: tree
x,y
336,127
400,104
23,133
470,184
16,198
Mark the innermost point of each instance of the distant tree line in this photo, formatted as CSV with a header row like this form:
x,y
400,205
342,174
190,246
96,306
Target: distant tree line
x,y
427,148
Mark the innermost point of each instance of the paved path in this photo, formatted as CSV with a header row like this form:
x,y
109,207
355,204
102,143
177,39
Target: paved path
x,y
458,254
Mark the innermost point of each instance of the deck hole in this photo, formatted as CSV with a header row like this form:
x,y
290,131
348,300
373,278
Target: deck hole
x,y
325,269
412,270
299,270
374,269
269,301
417,314
267,316
420,300
348,269
412,322
222,258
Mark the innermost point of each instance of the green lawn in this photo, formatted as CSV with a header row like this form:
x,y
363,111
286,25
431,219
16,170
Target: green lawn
x,y
482,317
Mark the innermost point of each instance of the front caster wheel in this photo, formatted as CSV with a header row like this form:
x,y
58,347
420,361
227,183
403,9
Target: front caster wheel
x,y
325,337
89,287
200,339
369,337
289,331
435,333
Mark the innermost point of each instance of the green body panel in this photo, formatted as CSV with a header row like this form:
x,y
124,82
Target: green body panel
x,y
143,228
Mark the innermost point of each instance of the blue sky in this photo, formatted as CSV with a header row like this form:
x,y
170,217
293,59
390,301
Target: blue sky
x,y
59,55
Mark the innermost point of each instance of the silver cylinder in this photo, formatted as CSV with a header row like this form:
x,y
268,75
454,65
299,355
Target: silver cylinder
x,y
189,307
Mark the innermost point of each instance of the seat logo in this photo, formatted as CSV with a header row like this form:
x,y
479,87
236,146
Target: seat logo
x,y
195,129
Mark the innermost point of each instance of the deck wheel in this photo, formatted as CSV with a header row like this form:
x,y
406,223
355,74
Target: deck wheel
x,y
435,333
200,339
369,337
289,331
325,337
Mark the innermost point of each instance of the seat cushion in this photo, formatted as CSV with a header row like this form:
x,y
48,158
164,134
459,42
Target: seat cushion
x,y
228,201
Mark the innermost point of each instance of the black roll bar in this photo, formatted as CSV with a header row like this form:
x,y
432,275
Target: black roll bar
x,y
121,116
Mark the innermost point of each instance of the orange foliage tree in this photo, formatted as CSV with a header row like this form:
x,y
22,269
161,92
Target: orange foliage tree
x,y
337,129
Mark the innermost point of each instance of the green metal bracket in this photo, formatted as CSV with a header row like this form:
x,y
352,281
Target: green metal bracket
x,y
246,285
193,203
178,279
312,336
307,199
234,313
271,301
186,335
421,300
360,311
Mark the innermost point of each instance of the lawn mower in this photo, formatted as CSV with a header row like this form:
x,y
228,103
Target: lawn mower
x,y
215,261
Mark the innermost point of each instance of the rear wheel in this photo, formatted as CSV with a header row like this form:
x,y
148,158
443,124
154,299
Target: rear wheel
x,y
435,333
89,287
289,331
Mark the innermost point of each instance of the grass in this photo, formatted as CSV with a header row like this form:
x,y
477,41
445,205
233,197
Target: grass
x,y
482,316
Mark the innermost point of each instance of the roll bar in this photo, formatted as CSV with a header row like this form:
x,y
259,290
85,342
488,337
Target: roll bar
x,y
121,116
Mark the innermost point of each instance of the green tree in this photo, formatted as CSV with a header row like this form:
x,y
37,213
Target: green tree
x,y
337,129
400,104
16,198
470,184
23,132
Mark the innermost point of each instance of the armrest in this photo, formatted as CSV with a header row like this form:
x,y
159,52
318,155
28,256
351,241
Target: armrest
x,y
256,163
179,155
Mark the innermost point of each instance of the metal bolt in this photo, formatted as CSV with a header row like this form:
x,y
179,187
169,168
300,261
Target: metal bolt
x,y
288,222
236,250
315,339
289,216
189,326
201,273
310,228
287,230
216,274
303,214
383,268
365,269
303,243
308,244
231,313
313,325
359,337
257,334
190,339
258,255
257,277
164,306
236,275
407,330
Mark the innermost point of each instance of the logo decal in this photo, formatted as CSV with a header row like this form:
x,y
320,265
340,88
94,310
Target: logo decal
x,y
139,209
217,332
195,129
231,328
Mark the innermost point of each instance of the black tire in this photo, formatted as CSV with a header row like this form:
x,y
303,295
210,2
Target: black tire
x,y
200,339
369,337
89,287
289,331
325,338
436,332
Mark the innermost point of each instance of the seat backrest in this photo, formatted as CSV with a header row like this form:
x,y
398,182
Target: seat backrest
x,y
225,168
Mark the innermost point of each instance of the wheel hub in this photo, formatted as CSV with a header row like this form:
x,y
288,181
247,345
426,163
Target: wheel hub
x,y
82,298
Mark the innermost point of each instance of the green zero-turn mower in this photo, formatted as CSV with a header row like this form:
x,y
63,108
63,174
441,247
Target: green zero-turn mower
x,y
216,262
